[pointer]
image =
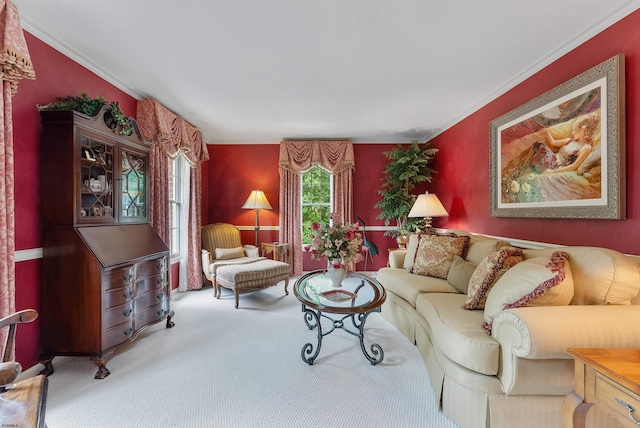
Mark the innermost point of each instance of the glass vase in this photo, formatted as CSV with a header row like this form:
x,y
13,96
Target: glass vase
x,y
336,272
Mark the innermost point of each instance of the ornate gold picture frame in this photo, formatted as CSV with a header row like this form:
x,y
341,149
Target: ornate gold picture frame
x,y
562,154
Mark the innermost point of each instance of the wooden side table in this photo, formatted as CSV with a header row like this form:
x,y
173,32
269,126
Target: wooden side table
x,y
278,249
608,378
24,405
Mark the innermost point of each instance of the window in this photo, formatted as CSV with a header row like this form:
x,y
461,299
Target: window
x,y
317,199
175,200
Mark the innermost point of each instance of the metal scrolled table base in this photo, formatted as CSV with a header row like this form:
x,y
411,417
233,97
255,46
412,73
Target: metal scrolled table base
x,y
312,320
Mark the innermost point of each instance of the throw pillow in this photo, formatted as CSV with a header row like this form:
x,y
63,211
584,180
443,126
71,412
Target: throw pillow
x,y
435,254
490,269
540,281
229,253
412,248
460,274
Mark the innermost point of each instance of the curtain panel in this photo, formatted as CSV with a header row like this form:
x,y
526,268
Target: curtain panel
x,y
297,157
15,64
171,136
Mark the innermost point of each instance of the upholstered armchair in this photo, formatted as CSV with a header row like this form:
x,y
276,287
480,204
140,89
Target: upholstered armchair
x,y
221,245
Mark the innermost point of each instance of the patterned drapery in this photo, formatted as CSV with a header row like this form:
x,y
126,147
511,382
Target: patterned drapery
x,y
297,157
15,64
173,136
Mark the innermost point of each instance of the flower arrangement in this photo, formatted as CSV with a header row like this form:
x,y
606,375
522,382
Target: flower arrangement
x,y
339,244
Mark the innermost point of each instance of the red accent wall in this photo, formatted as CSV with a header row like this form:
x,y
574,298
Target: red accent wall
x,y
56,76
462,182
234,170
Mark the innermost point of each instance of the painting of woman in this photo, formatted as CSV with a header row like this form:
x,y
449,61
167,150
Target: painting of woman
x,y
562,163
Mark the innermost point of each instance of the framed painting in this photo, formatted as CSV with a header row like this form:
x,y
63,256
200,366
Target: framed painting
x,y
562,154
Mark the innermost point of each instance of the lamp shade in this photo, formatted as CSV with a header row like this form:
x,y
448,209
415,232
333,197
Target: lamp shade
x,y
428,205
257,200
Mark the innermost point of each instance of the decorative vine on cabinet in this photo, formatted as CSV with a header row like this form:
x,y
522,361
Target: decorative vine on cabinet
x,y
105,274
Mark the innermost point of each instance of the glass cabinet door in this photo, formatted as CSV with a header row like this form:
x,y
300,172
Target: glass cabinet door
x,y
134,187
96,180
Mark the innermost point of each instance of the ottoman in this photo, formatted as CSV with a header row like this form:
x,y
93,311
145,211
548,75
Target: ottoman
x,y
251,276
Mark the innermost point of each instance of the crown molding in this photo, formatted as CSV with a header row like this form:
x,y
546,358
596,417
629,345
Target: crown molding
x,y
48,38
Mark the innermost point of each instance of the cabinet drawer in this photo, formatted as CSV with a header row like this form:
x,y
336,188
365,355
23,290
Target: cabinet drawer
x,y
151,283
150,298
116,278
151,267
149,315
608,391
118,334
118,315
118,296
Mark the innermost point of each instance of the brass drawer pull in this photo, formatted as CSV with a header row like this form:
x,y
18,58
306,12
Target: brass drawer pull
x,y
128,331
127,312
127,294
631,410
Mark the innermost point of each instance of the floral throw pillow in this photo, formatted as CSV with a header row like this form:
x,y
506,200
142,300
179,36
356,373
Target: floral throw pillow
x,y
435,254
488,272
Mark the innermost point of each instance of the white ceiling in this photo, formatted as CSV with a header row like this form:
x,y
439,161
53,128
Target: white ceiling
x,y
257,71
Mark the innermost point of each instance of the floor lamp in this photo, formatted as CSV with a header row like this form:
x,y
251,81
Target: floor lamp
x,y
428,205
257,201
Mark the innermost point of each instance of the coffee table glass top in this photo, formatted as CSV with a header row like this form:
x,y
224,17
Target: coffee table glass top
x,y
359,293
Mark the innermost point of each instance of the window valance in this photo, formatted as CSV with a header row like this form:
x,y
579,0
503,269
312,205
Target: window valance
x,y
300,155
173,134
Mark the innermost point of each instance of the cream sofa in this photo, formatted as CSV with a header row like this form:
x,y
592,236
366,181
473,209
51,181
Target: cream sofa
x,y
520,374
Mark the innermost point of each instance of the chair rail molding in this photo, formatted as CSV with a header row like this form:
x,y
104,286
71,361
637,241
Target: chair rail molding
x,y
30,254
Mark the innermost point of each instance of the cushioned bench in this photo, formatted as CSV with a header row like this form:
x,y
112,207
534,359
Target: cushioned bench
x,y
255,275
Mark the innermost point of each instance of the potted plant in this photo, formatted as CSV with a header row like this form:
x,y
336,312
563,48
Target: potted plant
x,y
408,167
91,107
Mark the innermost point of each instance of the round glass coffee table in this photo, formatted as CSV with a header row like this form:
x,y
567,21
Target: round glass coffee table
x,y
356,299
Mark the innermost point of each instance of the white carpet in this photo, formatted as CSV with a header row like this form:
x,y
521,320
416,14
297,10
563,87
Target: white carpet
x,y
226,367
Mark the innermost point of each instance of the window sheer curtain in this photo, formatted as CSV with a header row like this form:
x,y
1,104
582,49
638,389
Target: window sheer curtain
x,y
298,156
15,64
172,136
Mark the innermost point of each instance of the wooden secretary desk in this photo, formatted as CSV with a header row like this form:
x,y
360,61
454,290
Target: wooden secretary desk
x,y
105,271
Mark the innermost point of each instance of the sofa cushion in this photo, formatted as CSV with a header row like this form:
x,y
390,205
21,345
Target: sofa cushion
x,y
412,249
435,254
408,285
540,281
458,333
600,275
480,246
488,272
460,274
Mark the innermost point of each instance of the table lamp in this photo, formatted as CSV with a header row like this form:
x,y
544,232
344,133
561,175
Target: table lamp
x,y
257,201
428,205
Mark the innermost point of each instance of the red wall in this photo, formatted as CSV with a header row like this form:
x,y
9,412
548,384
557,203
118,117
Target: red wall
x,y
235,170
464,153
56,76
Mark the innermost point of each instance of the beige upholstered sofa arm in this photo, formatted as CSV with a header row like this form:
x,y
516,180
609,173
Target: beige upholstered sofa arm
x,y
396,258
547,332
